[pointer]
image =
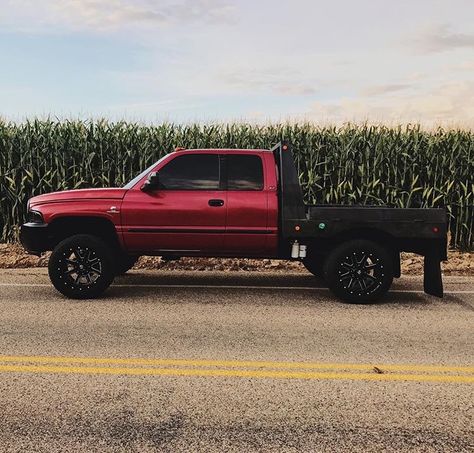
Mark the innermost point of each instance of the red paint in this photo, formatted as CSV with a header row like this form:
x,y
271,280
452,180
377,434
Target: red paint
x,y
79,195
159,212
167,221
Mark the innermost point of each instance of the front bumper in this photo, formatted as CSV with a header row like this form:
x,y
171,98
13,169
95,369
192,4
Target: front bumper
x,y
35,237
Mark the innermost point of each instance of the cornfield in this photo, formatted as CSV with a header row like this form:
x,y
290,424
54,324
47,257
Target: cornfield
x,y
402,166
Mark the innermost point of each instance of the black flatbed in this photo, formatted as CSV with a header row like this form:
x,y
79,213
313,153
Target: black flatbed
x,y
418,230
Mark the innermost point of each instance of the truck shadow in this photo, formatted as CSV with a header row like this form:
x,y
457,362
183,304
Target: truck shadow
x,y
245,288
211,279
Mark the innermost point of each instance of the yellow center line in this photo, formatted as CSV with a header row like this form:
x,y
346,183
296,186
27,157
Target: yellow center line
x,y
235,373
151,362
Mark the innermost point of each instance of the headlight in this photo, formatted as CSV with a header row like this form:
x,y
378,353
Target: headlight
x,y
34,217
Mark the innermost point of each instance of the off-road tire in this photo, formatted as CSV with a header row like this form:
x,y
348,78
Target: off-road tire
x,y
359,271
81,267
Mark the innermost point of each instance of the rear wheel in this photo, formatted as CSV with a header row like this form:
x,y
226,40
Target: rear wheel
x,y
81,267
359,271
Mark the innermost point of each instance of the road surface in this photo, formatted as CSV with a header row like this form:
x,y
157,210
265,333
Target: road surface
x,y
183,361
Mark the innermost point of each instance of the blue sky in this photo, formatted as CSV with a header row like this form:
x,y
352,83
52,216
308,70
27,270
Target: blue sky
x,y
205,60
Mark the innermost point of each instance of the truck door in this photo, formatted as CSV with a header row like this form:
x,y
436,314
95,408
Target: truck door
x,y
187,212
247,205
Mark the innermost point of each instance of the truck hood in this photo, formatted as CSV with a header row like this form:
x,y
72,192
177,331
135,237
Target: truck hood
x,y
78,195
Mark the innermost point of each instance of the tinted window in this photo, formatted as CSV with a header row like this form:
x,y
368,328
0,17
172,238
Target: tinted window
x,y
191,172
244,172
131,183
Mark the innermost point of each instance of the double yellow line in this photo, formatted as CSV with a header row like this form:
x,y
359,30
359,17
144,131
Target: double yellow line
x,y
237,368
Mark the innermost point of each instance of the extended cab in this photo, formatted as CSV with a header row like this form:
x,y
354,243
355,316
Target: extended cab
x,y
228,203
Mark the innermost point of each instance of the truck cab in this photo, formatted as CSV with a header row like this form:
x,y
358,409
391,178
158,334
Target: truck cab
x,y
204,203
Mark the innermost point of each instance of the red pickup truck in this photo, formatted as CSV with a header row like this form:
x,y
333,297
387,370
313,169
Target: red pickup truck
x,y
228,203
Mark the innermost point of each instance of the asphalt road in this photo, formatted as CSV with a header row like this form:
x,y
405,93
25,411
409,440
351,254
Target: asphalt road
x,y
174,361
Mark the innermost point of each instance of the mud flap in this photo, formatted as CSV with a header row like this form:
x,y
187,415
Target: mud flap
x,y
432,280
397,270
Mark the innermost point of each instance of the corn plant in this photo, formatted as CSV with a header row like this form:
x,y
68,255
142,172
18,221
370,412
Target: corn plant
x,y
400,167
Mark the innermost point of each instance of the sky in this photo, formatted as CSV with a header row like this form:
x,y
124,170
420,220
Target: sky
x,y
333,61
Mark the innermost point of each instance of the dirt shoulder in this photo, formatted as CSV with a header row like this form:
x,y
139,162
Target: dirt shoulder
x,y
13,256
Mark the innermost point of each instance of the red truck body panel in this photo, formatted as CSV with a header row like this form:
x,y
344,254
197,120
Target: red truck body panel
x,y
174,221
81,203
180,221
79,195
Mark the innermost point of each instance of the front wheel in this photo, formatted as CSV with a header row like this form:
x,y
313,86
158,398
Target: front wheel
x,y
359,271
81,267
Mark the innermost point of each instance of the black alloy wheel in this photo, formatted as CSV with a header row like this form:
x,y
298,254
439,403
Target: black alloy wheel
x,y
81,267
359,271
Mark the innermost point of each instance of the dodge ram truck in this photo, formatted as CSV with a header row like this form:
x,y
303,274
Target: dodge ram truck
x,y
228,203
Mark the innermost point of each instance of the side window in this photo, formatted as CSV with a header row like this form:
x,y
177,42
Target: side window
x,y
244,172
191,172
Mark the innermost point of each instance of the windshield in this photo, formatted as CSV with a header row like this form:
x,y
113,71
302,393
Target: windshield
x,y
130,184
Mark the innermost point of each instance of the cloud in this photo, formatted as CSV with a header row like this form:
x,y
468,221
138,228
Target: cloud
x,y
110,15
467,65
277,80
450,104
440,38
380,90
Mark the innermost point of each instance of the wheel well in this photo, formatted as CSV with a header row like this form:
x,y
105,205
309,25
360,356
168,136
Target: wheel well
x,y
374,235
323,247
96,226
320,249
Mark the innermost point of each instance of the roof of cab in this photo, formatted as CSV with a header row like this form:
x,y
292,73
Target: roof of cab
x,y
220,150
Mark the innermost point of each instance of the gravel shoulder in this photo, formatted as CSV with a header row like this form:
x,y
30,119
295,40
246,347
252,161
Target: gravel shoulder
x,y
459,263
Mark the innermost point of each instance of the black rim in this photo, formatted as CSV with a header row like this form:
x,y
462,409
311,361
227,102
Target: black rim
x,y
361,273
80,267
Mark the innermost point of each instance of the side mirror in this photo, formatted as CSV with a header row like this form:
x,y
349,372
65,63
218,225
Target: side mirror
x,y
152,182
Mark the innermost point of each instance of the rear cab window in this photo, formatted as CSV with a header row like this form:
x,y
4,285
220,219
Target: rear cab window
x,y
244,172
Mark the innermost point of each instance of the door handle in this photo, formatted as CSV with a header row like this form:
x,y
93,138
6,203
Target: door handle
x,y
216,202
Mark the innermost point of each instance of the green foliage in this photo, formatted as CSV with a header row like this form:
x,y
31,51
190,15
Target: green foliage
x,y
403,166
